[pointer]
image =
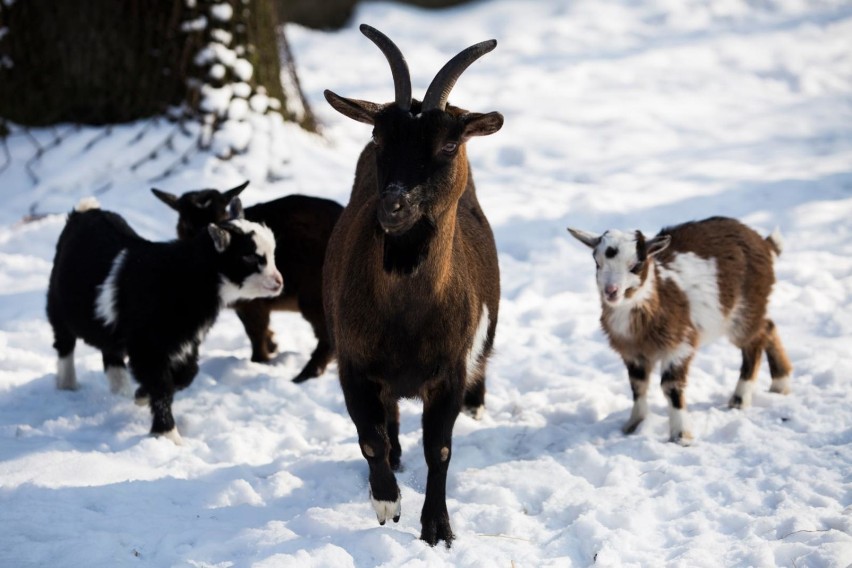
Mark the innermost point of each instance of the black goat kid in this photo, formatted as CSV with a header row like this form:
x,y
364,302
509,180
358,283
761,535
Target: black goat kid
x,y
152,302
302,226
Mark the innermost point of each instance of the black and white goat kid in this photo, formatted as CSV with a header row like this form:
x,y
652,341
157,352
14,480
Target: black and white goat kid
x,y
152,302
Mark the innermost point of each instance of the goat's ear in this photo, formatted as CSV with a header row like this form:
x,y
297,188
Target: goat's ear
x,y
362,111
232,193
658,244
235,209
478,124
221,237
588,239
168,198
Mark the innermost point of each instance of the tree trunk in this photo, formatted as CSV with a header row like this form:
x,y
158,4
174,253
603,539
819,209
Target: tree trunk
x,y
108,61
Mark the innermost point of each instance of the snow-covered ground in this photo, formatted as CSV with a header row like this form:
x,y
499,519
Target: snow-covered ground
x,y
618,114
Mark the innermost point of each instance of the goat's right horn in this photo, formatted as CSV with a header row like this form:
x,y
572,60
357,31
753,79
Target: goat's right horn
x,y
440,87
399,68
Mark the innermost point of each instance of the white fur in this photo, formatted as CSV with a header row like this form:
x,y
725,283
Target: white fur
x,y
105,302
780,385
172,435
66,376
679,426
678,356
119,381
637,415
386,510
478,345
262,285
744,390
698,279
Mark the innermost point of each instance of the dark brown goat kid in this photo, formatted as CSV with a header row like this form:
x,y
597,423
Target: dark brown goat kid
x,y
302,226
411,283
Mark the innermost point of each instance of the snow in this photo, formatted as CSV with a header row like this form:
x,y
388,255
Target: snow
x,y
618,115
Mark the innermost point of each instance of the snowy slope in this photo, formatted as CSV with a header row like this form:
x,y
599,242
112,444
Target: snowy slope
x,y
618,114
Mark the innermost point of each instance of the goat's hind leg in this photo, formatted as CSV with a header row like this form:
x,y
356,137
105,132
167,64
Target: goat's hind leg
x,y
752,353
780,367
115,370
64,342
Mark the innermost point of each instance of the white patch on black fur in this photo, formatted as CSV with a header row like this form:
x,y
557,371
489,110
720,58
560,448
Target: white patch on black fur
x,y
172,435
105,303
66,376
260,285
119,381
87,204
478,345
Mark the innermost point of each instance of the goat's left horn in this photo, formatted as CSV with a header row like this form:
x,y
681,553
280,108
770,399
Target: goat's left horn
x,y
399,68
440,87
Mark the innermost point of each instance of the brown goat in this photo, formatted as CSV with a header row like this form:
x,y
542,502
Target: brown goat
x,y
411,282
302,226
688,285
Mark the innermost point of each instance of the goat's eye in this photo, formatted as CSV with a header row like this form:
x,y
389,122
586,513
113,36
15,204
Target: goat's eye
x,y
254,259
449,148
635,268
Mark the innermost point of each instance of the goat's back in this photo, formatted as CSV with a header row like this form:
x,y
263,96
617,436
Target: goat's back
x,y
725,256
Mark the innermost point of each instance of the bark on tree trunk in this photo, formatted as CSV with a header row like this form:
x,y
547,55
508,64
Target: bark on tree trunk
x,y
108,61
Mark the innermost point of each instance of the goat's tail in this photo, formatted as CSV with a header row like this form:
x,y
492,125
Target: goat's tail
x,y
776,241
86,204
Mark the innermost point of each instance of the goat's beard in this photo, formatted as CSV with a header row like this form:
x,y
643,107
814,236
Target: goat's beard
x,y
406,252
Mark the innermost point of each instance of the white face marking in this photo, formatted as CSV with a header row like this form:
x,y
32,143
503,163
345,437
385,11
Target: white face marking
x,y
387,509
616,256
265,284
697,277
105,302
86,204
119,382
66,377
478,345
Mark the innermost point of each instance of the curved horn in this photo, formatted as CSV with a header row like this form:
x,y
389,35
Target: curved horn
x,y
440,87
399,68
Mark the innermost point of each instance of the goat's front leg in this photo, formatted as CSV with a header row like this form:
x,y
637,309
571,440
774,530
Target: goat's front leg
x,y
637,371
156,384
674,387
368,412
440,411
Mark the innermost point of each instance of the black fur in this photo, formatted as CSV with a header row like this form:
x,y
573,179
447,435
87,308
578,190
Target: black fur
x,y
167,295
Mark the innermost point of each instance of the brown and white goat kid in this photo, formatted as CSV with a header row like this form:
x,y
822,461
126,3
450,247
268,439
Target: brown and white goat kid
x,y
411,280
689,285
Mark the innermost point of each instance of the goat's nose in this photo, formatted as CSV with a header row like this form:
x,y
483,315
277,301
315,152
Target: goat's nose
x,y
394,202
610,290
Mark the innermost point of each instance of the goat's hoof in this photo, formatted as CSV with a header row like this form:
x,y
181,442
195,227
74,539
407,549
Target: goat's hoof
x,y
739,402
630,426
475,412
172,435
682,438
387,510
436,530
780,386
307,374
